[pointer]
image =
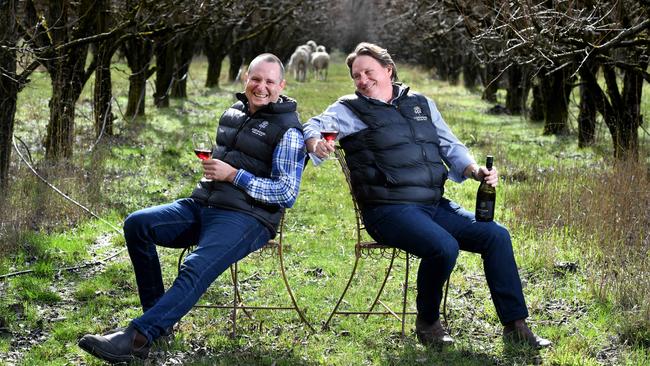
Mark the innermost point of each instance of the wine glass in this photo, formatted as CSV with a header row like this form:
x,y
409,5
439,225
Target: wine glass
x,y
202,145
329,132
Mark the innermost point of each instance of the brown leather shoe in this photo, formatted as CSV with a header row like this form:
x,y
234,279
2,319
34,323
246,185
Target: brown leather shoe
x,y
518,332
431,334
122,346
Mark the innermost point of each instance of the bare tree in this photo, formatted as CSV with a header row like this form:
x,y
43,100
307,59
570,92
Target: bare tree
x,y
560,40
8,84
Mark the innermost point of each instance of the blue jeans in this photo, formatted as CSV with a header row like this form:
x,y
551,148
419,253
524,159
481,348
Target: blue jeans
x,y
435,233
221,236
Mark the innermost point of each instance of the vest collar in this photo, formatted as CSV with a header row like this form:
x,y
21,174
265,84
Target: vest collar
x,y
399,91
284,104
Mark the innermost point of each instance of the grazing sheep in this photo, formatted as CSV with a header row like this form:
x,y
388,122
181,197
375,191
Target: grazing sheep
x,y
320,62
312,45
299,62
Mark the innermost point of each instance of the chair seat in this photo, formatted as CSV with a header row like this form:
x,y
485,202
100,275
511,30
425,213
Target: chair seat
x,y
371,249
271,248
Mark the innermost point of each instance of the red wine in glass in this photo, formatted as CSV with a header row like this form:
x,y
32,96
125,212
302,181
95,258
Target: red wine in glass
x,y
329,135
203,154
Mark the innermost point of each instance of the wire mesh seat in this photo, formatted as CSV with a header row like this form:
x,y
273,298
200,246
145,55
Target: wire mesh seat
x,y
371,249
271,248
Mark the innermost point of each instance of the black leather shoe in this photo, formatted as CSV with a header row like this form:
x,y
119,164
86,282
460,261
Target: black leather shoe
x,y
518,332
121,346
168,334
431,334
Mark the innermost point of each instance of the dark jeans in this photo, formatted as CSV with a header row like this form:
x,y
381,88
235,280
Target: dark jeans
x,y
221,236
435,233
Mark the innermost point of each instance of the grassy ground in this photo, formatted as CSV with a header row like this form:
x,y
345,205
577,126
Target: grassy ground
x,y
550,193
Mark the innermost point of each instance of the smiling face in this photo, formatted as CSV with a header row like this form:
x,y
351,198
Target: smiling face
x,y
371,78
264,84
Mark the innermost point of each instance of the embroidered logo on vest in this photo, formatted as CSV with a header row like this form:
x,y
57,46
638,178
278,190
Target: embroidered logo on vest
x,y
417,110
259,129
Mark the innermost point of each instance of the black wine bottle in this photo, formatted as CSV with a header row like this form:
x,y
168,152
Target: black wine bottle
x,y
486,197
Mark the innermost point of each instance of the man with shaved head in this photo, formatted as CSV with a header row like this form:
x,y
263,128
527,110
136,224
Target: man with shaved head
x,y
253,175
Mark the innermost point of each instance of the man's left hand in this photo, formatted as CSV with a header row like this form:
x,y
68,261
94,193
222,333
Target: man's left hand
x,y
218,170
491,177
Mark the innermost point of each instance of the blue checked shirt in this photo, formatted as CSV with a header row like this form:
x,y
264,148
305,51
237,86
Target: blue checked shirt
x,y
286,171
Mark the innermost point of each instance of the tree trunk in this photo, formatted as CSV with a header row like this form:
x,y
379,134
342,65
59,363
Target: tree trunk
x,y
587,116
490,83
454,68
632,118
67,83
103,90
8,86
621,113
517,90
215,49
214,71
139,52
183,58
164,72
470,73
556,89
235,63
537,105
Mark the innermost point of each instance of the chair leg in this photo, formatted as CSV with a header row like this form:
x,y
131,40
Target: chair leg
x,y
233,273
345,290
383,284
406,287
293,298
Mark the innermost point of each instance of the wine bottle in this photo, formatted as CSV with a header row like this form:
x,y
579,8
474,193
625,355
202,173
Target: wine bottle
x,y
486,197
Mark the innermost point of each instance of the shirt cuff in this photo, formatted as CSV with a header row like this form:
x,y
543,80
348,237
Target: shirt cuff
x,y
311,134
457,173
315,159
242,178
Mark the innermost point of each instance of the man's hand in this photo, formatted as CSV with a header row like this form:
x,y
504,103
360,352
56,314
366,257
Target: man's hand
x,y
218,170
491,177
320,147
480,174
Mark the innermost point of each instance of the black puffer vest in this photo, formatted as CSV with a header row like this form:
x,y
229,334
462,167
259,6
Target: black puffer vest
x,y
396,159
248,142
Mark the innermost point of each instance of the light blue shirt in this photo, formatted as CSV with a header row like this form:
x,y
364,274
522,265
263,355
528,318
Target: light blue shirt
x,y
453,152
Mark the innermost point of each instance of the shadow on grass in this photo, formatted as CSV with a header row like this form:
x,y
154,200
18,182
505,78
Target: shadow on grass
x,y
229,353
461,353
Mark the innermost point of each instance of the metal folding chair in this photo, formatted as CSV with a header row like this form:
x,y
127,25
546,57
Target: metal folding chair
x,y
365,249
273,247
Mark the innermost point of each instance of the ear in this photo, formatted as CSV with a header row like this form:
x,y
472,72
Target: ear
x,y
283,83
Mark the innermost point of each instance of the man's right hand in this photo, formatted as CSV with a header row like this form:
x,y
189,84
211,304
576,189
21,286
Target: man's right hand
x,y
320,147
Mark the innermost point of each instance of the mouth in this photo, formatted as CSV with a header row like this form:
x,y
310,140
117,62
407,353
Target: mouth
x,y
260,95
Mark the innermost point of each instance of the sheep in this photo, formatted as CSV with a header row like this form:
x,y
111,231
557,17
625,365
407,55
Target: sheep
x,y
312,45
319,63
299,62
321,48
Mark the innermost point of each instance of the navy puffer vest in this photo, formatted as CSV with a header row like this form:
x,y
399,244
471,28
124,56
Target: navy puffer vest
x,y
248,142
396,159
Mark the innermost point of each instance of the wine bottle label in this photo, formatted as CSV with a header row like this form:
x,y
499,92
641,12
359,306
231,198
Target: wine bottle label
x,y
485,209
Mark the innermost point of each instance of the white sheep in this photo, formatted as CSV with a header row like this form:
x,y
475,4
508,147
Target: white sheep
x,y
320,62
299,62
321,48
312,45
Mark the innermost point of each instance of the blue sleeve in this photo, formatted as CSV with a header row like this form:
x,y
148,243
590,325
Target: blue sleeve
x,y
283,185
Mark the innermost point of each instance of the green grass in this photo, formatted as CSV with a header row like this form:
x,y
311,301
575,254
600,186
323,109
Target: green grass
x,y
149,161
